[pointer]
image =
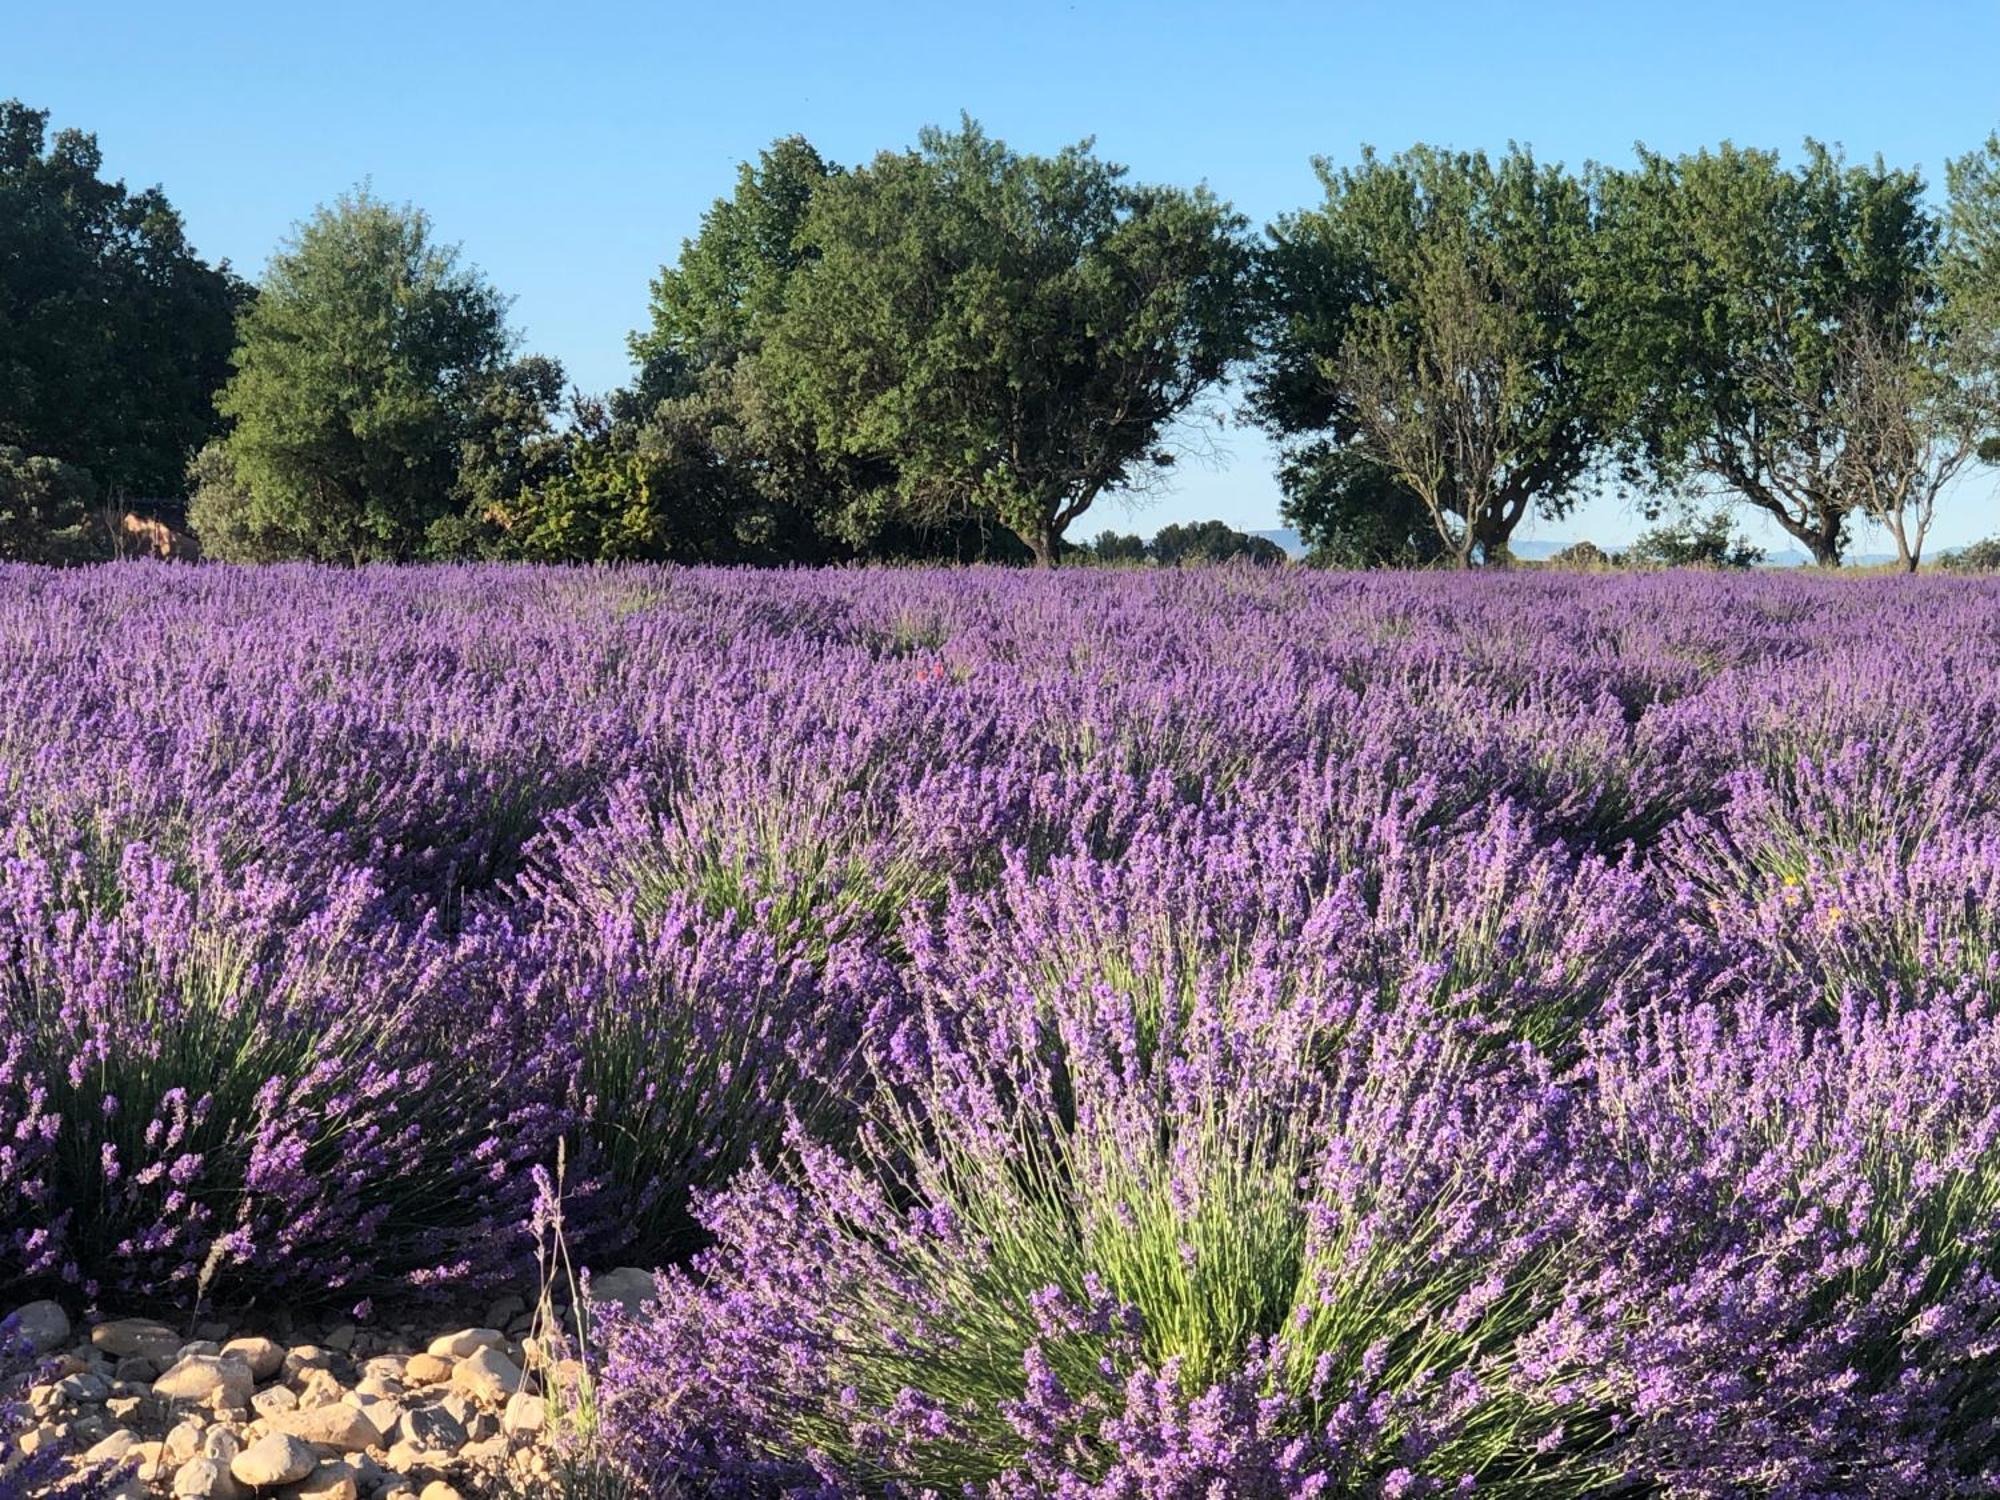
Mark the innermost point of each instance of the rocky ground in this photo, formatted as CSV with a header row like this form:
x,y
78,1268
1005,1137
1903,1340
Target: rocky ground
x,y
305,1412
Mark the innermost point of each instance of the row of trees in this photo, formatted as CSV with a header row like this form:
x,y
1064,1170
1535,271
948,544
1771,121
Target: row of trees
x,y
906,357
1456,342
957,350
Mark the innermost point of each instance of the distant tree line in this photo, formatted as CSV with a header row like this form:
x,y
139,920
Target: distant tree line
x,y
955,351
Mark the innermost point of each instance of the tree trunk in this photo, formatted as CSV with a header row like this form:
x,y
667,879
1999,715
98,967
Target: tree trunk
x,y
1042,542
1906,560
1818,533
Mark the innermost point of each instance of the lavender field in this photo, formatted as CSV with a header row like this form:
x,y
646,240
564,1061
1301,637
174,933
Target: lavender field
x,y
1101,1034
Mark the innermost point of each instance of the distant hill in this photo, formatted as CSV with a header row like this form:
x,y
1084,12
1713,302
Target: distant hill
x,y
1539,551
1791,557
1536,551
1285,537
1295,546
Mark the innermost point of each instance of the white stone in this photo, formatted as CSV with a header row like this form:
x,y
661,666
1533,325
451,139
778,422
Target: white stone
x,y
200,1376
628,1287
487,1375
119,1337
427,1369
336,1425
85,1389
432,1429
465,1342
113,1448
43,1325
330,1481
525,1414
205,1479
220,1444
149,1462
492,1450
278,1458
278,1398
183,1443
386,1415
306,1357
264,1357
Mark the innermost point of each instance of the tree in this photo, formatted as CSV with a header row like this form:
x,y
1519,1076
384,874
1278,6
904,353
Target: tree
x,y
1011,334
714,305
114,335
44,506
1913,411
359,373
1743,311
1117,547
1426,319
1211,542
1982,556
220,511
670,487
1582,557
514,446
1691,542
698,385
1351,512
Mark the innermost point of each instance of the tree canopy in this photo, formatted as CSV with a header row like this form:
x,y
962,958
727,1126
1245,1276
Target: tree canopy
x,y
1352,512
360,372
114,334
1425,319
1211,542
1013,334
953,352
44,503
1730,299
715,303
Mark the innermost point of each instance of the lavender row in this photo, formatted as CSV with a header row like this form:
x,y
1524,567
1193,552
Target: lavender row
x,y
1102,1034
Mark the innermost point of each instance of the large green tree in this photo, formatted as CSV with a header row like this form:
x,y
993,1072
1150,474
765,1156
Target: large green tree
x,y
362,370
1014,335
114,334
714,305
1426,320
1210,542
697,458
1761,327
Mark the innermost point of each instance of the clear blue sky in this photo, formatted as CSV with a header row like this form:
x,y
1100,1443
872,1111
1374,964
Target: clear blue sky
x,y
569,148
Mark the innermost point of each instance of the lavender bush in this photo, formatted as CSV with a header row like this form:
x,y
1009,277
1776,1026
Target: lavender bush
x,y
1112,1034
